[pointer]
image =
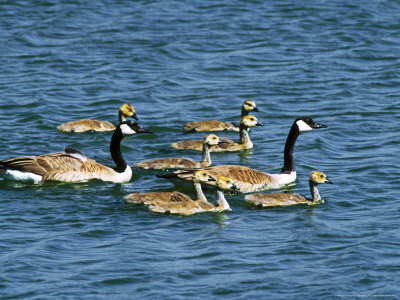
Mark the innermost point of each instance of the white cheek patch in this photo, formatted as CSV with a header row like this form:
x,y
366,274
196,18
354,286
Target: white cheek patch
x,y
303,126
126,130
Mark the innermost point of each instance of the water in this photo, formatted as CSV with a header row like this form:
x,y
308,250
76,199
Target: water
x,y
177,61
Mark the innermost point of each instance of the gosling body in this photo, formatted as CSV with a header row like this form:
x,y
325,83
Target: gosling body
x,y
281,199
125,111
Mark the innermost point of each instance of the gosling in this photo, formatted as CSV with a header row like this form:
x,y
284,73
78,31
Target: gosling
x,y
214,125
125,111
281,199
245,143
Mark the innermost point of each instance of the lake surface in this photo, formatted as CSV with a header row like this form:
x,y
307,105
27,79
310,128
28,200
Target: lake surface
x,y
177,61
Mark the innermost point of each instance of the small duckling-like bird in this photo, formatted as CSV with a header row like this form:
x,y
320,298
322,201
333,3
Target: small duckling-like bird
x,y
245,143
154,198
183,162
281,199
213,125
73,166
126,110
251,180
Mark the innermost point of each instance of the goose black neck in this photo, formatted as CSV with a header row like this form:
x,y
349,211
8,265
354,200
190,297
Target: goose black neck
x,y
288,165
116,151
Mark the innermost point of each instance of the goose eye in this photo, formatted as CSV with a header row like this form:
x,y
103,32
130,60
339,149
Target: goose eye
x,y
204,174
321,176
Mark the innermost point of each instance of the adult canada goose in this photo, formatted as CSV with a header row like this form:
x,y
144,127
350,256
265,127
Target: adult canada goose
x,y
179,203
126,110
250,180
73,166
245,143
183,162
281,199
213,125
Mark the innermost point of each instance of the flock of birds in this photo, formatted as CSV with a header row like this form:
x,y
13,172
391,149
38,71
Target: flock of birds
x,y
73,166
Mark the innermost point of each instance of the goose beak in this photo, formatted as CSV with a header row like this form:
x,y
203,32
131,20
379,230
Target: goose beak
x,y
210,178
259,124
222,141
319,125
143,130
328,181
135,116
256,109
235,187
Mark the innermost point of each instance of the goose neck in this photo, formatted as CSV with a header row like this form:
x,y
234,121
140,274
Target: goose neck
x,y
314,192
221,200
288,165
244,136
206,157
115,151
199,192
121,117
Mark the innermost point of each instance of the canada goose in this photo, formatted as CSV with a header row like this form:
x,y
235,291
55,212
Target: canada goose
x,y
281,199
73,166
213,125
183,162
179,203
250,180
126,110
246,123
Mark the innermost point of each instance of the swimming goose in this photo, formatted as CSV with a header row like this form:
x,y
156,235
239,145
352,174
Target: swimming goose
x,y
74,166
213,125
183,162
126,110
245,143
250,180
179,203
281,199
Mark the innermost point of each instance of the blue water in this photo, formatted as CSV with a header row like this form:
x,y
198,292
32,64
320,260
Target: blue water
x,y
176,61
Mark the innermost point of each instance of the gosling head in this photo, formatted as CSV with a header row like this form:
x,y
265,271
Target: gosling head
x,y
202,176
127,110
307,124
318,177
225,183
250,121
128,128
212,139
250,105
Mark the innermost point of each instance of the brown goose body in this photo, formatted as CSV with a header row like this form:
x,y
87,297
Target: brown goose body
x,y
72,165
214,125
126,110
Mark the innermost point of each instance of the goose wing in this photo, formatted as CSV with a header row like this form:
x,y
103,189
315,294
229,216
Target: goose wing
x,y
59,166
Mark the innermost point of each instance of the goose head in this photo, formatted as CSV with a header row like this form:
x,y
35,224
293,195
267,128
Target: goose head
x,y
225,183
319,177
128,128
202,176
127,110
249,106
212,139
307,124
250,121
